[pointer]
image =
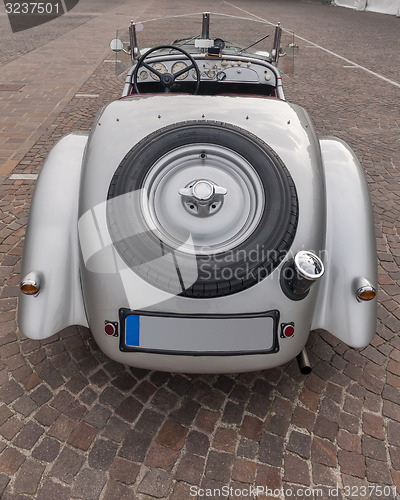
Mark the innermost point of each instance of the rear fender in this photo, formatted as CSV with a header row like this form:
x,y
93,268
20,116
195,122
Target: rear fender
x,y
350,249
51,244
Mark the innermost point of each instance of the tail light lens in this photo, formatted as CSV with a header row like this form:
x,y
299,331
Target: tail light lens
x,y
30,285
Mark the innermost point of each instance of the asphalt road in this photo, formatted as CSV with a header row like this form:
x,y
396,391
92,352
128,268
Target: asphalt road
x,y
75,425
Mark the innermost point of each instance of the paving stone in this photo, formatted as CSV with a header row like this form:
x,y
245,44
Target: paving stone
x,y
268,476
251,428
258,405
100,378
28,436
82,436
374,448
4,480
111,397
233,413
197,443
373,425
394,433
124,471
129,409
240,394
10,391
102,455
88,484
282,407
51,489
75,411
225,439
144,391
28,477
378,472
323,452
244,471
76,383
323,475
348,441
135,446
62,401
47,450
149,422
67,465
164,400
5,414
172,435
88,396
117,490
179,384
280,425
181,490
25,406
271,449
219,465
115,429
395,457
247,448
124,382
41,395
11,460
300,444
98,416
190,469
186,412
296,470
352,464
325,428
155,483
62,428
161,457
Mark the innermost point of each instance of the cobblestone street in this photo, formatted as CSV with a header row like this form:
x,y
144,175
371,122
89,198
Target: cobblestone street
x,y
76,425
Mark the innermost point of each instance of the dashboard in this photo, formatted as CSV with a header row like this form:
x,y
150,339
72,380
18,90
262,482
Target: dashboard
x,y
231,69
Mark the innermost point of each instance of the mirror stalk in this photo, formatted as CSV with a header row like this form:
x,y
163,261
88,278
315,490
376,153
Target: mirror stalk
x,y
135,52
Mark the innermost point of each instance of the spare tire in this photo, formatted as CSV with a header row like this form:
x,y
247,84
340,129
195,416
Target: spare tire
x,y
198,243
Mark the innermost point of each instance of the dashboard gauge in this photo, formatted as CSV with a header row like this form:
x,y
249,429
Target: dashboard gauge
x,y
179,66
144,75
160,67
210,73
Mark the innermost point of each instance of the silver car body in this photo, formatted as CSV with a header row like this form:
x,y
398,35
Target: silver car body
x,y
84,280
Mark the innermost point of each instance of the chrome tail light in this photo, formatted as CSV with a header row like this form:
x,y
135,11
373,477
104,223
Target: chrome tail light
x,y
300,273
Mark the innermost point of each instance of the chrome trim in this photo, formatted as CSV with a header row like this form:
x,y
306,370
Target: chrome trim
x,y
33,278
303,273
362,289
363,285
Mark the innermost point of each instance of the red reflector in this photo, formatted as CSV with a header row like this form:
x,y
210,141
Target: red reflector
x,y
288,331
109,329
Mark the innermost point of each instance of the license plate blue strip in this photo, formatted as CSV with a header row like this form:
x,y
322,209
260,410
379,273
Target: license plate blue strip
x,y
132,329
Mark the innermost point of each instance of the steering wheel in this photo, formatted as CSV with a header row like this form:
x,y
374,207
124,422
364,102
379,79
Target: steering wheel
x,y
166,79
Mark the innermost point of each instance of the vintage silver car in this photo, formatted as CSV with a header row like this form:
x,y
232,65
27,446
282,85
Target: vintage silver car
x,y
201,226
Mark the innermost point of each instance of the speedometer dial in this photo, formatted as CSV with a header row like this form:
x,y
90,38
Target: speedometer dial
x,y
179,66
160,68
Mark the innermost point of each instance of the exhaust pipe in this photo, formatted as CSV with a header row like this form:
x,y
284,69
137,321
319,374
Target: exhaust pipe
x,y
304,362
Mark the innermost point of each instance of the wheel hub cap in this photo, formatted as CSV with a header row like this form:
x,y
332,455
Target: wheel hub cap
x,y
203,193
202,198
